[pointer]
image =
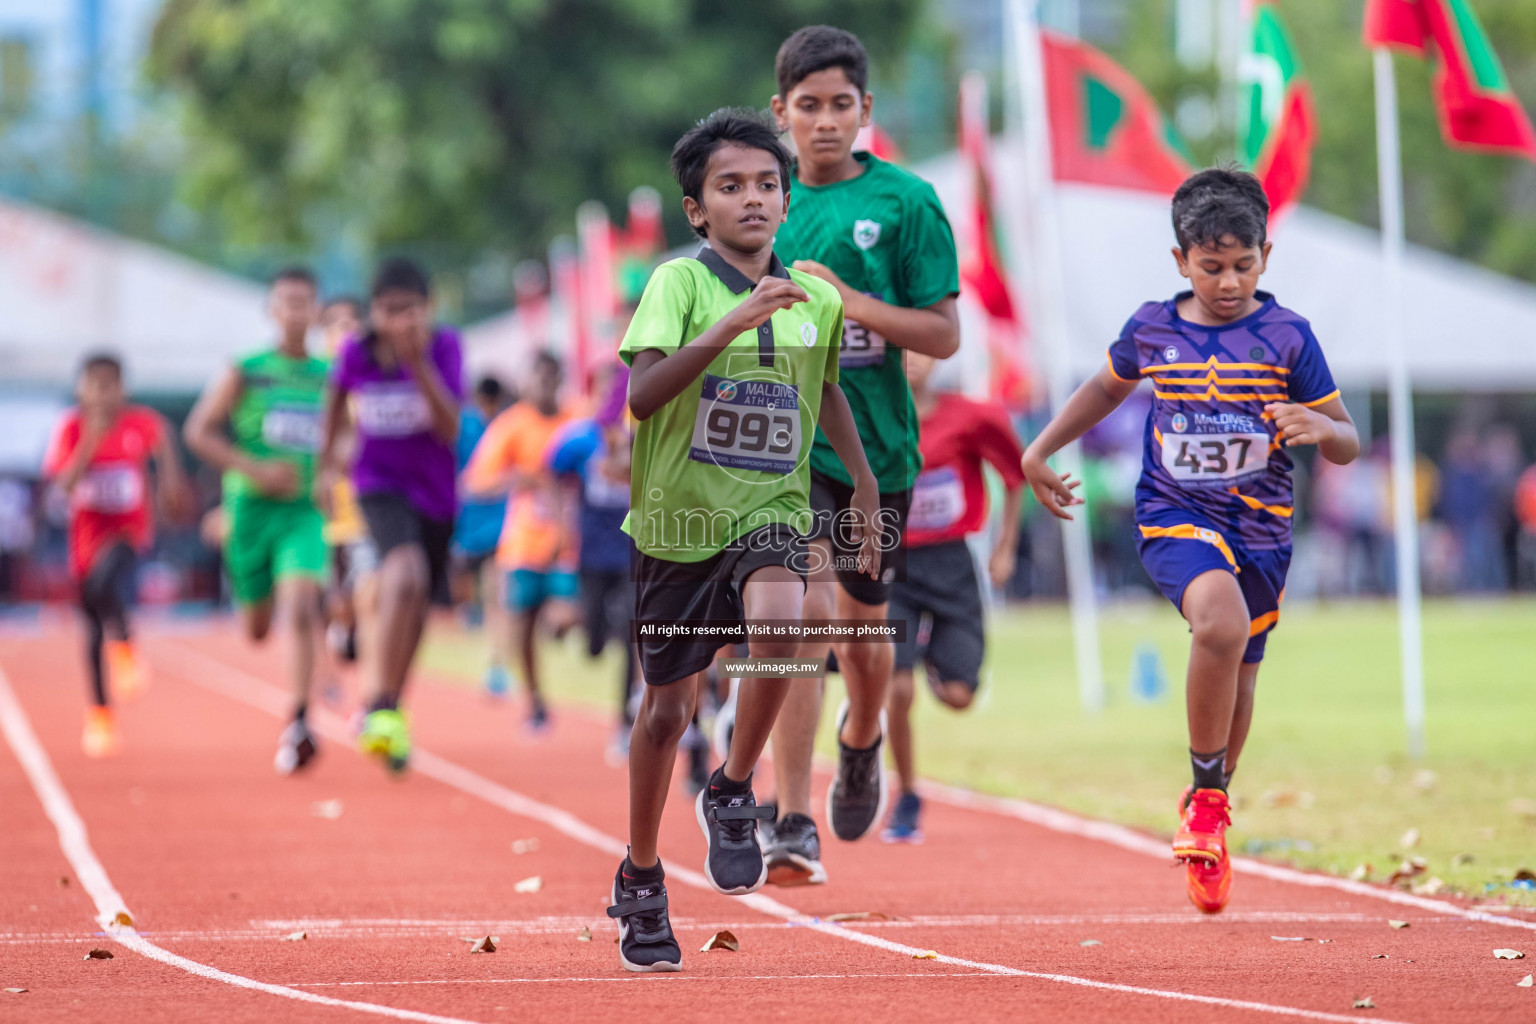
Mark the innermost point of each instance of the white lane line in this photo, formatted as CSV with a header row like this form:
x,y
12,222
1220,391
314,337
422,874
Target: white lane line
x,y
258,693
642,979
1128,839
76,846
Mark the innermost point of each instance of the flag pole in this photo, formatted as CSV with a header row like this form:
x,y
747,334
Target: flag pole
x,y
1046,291
1405,513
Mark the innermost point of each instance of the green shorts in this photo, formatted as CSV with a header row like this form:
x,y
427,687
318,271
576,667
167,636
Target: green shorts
x,y
268,541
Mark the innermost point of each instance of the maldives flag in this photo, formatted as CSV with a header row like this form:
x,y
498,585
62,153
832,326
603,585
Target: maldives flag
x,y
982,269
1477,108
1279,121
1105,129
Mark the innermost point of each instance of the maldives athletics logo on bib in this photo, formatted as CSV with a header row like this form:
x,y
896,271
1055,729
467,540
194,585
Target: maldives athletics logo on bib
x,y
725,391
866,233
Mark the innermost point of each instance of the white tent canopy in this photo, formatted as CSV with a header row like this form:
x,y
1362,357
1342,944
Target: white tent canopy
x,y
68,289
1468,328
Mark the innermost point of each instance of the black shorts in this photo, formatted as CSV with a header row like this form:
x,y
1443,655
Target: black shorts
x,y
393,522
830,500
667,592
941,586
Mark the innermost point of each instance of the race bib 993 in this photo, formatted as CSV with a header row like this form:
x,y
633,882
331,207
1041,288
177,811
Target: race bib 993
x,y
747,424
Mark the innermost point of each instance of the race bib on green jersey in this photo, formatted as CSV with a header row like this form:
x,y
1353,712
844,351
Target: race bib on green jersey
x,y
293,428
747,424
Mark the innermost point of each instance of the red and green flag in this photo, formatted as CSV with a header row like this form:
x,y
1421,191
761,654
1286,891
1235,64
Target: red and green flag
x,y
982,269
1477,108
1279,121
1105,128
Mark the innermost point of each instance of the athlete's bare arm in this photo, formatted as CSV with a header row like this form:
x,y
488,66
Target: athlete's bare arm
x,y
837,423
932,330
1098,396
205,437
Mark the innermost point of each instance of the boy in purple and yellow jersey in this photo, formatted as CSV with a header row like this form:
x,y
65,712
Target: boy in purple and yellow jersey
x,y
1236,380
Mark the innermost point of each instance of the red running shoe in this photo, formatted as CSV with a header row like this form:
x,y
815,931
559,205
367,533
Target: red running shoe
x,y
1201,843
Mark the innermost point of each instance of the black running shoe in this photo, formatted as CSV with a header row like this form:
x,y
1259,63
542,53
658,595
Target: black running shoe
x,y
734,864
793,852
295,748
646,942
856,798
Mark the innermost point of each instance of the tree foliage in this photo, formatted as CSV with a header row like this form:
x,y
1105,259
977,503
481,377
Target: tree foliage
x,y
480,122
1479,207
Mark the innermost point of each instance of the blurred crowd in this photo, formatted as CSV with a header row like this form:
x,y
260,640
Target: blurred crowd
x,y
1476,502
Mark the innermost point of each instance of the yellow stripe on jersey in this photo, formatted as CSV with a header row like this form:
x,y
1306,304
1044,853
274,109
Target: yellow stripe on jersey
x,y
1213,362
1319,401
1258,506
1189,531
1212,393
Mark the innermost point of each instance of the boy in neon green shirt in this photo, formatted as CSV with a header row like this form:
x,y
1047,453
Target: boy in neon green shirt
x,y
732,368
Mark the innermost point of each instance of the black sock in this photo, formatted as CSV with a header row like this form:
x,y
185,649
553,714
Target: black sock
x,y
1226,777
384,703
650,874
724,784
1209,769
301,712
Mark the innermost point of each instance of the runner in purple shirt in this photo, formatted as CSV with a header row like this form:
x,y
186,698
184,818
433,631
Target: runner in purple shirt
x,y
401,384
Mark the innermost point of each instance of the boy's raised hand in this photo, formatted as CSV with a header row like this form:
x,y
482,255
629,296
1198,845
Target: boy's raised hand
x,y
1051,490
1300,425
824,272
771,295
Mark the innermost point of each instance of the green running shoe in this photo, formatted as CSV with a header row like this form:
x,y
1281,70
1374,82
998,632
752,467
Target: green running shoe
x,y
386,736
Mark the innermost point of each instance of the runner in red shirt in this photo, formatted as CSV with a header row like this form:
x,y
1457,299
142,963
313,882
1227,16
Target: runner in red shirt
x,y
940,598
98,456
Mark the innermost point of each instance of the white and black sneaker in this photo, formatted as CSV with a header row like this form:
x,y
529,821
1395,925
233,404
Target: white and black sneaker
x,y
793,852
295,748
856,799
646,942
734,864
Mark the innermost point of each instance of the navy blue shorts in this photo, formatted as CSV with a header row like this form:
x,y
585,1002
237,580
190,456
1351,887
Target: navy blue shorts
x,y
1178,545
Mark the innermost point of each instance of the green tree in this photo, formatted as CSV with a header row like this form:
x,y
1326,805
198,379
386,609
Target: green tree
x,y
1479,207
481,123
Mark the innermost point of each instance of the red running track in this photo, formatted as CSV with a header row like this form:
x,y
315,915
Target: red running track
x,y
217,859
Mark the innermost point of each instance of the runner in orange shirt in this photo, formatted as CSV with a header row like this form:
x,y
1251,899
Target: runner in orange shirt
x,y
538,542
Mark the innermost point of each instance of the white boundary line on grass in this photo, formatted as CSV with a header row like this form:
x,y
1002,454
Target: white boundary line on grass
x,y
76,846
258,693
1136,842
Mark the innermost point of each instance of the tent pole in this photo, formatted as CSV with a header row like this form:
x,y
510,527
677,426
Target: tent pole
x,y
1400,404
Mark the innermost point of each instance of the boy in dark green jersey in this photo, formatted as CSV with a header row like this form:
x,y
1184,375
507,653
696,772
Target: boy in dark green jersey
x,y
878,235
270,404
732,368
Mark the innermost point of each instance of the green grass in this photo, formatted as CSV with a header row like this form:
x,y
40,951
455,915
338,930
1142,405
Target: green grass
x,y
1325,781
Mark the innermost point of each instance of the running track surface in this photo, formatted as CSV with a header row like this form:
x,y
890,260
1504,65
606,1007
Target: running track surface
x,y
217,859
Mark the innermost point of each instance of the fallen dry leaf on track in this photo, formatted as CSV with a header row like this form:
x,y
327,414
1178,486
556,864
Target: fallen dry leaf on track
x,y
1410,839
1361,873
98,954
863,915
1090,942
294,937
64,883
533,884
1364,1004
327,809
1289,938
1524,982
1509,954
524,845
927,954
1381,956
1431,887
1408,869
485,945
1398,924
18,991
585,935
722,940
122,919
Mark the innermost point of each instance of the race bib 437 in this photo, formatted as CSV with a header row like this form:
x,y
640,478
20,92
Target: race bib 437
x,y
1214,458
